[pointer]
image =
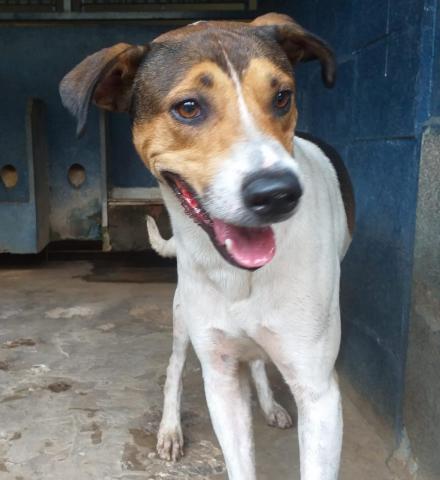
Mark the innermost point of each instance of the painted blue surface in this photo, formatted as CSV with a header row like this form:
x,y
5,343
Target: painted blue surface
x,y
18,232
34,60
377,271
12,153
384,106
24,209
125,166
435,99
374,116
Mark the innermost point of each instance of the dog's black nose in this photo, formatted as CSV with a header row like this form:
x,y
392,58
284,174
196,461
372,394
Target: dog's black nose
x,y
271,195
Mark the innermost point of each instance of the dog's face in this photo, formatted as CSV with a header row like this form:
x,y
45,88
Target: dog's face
x,y
213,114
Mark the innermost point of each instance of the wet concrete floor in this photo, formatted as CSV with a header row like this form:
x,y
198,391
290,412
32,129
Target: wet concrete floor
x,y
83,355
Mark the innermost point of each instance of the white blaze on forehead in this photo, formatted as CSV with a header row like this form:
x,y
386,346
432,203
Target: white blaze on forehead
x,y
246,116
270,149
269,155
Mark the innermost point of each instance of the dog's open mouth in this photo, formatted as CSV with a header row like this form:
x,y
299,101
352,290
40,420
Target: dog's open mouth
x,y
244,247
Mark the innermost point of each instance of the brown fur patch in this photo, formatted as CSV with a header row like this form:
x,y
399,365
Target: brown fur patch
x,y
111,71
196,151
113,92
272,18
261,82
136,78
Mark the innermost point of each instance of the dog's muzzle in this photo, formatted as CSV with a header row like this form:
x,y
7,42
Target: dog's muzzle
x,y
271,196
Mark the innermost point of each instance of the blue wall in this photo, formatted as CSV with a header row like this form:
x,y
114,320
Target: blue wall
x,y
34,60
374,117
432,28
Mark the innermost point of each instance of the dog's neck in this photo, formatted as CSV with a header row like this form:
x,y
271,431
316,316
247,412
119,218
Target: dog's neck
x,y
197,256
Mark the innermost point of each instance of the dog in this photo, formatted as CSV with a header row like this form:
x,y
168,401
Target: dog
x,y
261,219
170,439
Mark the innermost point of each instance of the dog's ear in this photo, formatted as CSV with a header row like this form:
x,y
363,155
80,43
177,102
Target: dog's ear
x,y
106,78
299,44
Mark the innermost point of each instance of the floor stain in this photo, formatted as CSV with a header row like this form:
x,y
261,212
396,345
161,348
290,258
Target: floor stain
x,y
96,436
4,366
96,432
58,387
3,467
20,342
91,412
153,315
190,418
16,436
12,398
143,439
130,459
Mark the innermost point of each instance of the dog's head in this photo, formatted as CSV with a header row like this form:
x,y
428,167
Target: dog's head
x,y
213,114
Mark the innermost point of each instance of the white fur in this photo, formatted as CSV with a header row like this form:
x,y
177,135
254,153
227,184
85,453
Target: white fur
x,y
170,437
255,151
246,118
287,311
165,248
224,197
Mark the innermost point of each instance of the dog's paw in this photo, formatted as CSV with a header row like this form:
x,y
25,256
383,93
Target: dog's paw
x,y
278,417
170,444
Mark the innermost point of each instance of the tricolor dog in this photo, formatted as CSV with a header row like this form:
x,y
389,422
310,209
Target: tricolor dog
x,y
261,221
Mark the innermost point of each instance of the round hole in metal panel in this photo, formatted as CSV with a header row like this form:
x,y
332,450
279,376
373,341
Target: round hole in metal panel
x,y
9,176
76,175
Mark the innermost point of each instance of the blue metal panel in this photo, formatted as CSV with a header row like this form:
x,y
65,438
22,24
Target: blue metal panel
x,y
333,107
377,272
24,210
337,27
13,143
405,14
370,22
18,228
34,59
125,167
386,87
435,85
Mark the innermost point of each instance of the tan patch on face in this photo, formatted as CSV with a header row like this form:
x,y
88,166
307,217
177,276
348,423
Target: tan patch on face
x,y
193,151
261,81
196,151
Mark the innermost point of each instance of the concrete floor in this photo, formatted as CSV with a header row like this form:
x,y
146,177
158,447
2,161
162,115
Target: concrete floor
x,y
83,353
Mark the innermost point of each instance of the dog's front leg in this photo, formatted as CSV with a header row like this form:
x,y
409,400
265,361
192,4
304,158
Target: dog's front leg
x,y
319,428
228,396
170,437
276,415
308,369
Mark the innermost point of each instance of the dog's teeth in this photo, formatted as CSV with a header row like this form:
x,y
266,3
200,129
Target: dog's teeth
x,y
228,244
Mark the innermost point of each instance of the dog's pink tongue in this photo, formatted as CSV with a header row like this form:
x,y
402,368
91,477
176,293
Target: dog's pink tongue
x,y
249,247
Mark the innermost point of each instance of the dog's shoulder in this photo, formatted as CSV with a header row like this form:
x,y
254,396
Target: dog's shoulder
x,y
342,174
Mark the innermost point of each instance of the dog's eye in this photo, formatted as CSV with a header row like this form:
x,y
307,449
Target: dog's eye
x,y
187,110
282,101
